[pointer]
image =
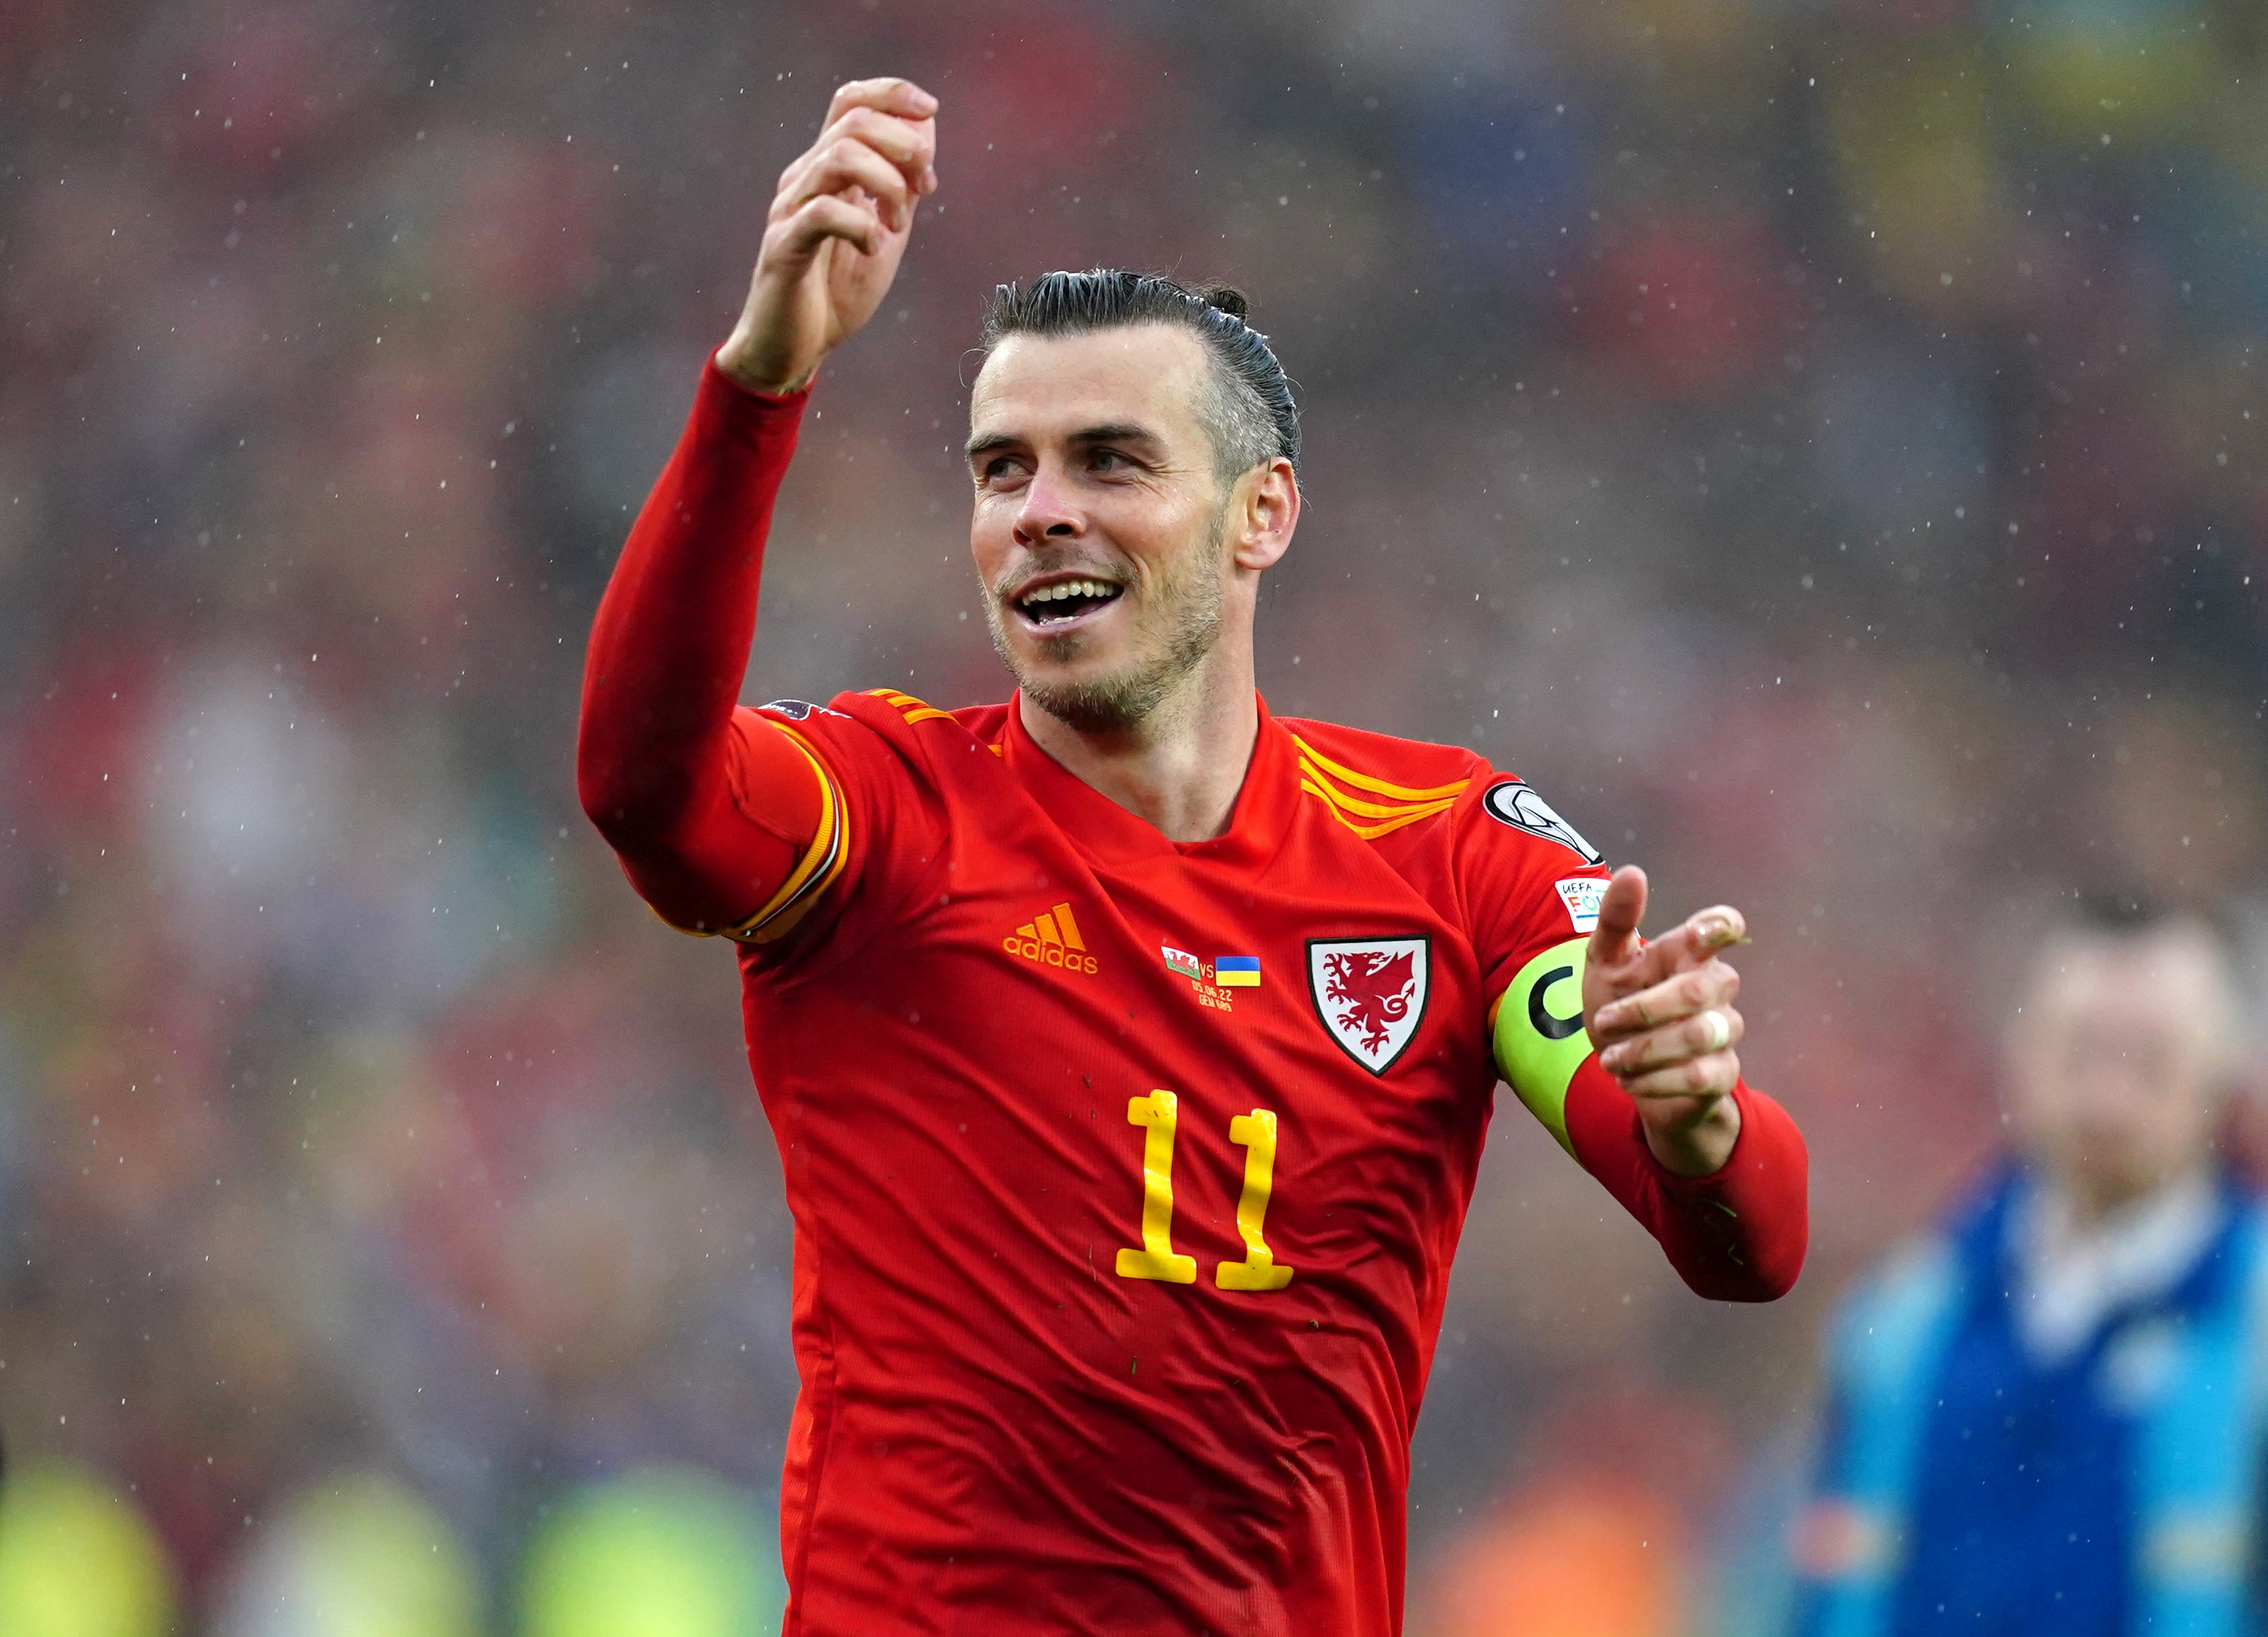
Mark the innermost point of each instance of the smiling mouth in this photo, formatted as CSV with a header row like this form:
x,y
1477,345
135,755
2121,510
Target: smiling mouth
x,y
1064,601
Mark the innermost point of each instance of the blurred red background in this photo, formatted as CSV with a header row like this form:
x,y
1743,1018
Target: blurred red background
x,y
1821,446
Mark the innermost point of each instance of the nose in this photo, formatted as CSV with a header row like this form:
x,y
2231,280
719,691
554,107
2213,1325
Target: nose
x,y
1048,512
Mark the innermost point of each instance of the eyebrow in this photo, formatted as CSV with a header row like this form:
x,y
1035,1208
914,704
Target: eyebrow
x,y
1109,432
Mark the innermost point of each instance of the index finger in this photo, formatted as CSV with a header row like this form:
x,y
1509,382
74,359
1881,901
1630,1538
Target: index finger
x,y
1697,941
908,144
903,142
1693,944
886,95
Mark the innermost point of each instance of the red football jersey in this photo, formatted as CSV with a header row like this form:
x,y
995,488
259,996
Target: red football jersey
x,y
1127,1174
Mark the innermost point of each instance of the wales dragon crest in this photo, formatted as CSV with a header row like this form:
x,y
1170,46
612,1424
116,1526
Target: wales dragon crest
x,y
1370,993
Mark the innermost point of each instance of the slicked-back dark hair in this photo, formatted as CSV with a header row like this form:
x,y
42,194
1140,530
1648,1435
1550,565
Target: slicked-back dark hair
x,y
2121,912
2118,911
1249,413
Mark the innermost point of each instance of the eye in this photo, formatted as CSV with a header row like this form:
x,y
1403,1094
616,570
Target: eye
x,y
996,468
1108,459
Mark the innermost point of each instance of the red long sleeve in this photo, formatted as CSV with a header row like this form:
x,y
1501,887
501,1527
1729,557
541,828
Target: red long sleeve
x,y
707,808
1737,1236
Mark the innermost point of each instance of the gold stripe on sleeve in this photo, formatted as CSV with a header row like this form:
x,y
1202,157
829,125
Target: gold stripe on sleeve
x,y
816,871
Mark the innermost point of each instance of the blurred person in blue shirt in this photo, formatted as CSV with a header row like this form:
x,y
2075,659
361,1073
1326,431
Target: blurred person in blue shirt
x,y
2046,1416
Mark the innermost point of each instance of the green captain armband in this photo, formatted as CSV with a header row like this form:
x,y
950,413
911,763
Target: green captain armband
x,y
1540,1038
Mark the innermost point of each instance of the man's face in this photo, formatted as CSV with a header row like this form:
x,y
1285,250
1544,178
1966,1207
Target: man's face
x,y
1101,519
2119,1060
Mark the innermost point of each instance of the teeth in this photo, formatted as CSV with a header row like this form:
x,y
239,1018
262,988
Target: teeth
x,y
1068,588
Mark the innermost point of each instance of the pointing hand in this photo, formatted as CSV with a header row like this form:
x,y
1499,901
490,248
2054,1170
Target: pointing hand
x,y
1662,1017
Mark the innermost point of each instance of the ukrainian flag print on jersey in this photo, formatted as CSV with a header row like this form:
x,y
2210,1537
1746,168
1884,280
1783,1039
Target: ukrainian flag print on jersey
x,y
1236,972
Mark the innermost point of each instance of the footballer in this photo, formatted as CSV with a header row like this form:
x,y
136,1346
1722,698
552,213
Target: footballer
x,y
1129,1048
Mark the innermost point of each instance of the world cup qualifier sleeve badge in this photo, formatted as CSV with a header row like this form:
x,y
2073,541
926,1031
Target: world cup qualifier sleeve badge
x,y
1370,993
1512,801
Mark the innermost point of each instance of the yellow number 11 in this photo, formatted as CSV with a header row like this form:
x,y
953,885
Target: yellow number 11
x,y
1158,1114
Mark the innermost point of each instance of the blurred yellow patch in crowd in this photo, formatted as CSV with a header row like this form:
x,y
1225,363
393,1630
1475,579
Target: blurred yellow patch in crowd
x,y
78,1560
667,1551
360,1556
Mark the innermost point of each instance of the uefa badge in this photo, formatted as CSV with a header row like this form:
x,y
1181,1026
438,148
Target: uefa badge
x,y
1370,992
1511,801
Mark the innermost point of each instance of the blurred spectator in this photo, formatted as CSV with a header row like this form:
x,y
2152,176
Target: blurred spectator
x,y
2047,1415
1571,1558
1599,1537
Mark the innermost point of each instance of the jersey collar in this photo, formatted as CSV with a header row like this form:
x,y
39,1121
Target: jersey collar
x,y
1102,829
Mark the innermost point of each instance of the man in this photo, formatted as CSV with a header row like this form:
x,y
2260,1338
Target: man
x,y
2046,1417
1128,1048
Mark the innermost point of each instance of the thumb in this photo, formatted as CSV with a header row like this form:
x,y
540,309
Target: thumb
x,y
1615,938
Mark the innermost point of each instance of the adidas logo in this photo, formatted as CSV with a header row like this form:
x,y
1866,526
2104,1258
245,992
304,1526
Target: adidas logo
x,y
1051,939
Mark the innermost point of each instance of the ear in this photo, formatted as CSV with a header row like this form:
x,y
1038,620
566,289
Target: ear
x,y
1267,509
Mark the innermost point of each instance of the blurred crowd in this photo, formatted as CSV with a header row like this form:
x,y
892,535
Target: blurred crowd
x,y
1819,442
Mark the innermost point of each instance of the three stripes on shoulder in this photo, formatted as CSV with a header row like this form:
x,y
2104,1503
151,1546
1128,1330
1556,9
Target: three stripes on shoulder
x,y
1369,806
916,710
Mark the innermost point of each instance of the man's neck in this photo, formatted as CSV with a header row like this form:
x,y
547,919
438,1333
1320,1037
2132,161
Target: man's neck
x,y
1181,767
2078,1262
2086,1208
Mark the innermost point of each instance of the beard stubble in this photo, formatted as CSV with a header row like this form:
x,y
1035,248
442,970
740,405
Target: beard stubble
x,y
1172,636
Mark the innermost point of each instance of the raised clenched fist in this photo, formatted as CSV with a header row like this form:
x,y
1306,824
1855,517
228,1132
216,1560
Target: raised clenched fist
x,y
838,228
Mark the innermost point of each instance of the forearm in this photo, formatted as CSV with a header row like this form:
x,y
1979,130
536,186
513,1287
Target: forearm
x,y
671,641
1736,1235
